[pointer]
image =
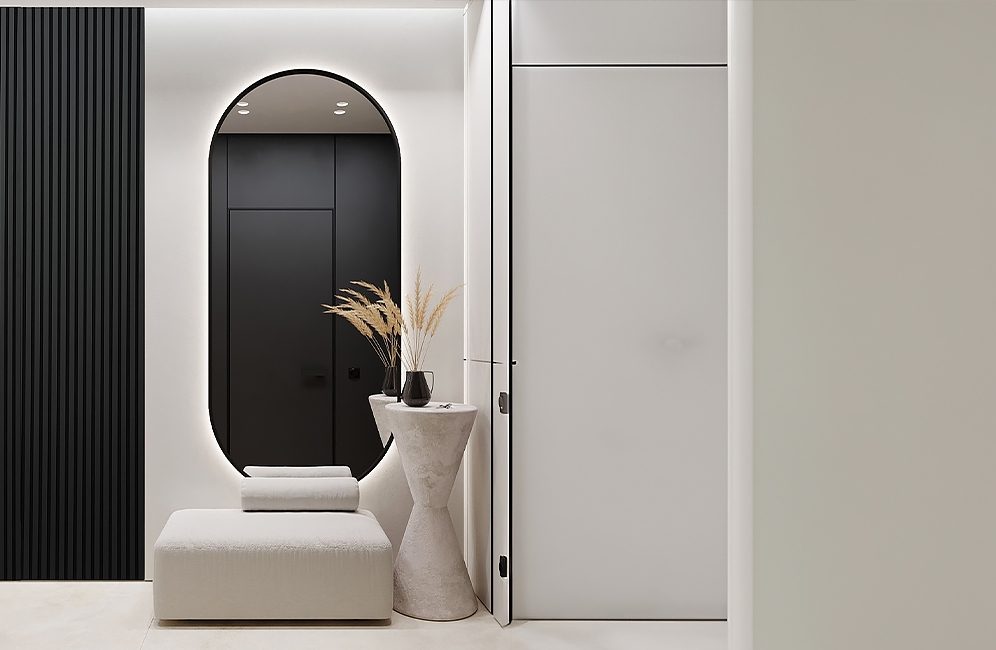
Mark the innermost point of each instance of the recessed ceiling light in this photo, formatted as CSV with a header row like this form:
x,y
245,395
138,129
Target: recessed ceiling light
x,y
339,112
342,103
243,112
242,104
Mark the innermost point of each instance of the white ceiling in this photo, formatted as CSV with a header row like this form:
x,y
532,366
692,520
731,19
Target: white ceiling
x,y
304,103
258,4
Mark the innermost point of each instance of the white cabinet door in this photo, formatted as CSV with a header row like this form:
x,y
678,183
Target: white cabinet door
x,y
573,32
619,336
477,179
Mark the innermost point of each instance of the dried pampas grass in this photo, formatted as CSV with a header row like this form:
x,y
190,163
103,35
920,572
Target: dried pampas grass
x,y
377,320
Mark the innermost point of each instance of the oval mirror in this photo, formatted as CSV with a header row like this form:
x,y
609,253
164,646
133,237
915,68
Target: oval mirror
x,y
305,197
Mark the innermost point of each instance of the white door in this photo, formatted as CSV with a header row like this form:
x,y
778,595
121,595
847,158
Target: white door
x,y
619,338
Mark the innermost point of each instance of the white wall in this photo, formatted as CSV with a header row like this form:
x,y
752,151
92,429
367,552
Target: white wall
x,y
477,317
600,32
501,181
875,310
255,4
619,322
197,61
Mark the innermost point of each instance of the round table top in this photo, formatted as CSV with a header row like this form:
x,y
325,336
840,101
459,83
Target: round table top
x,y
432,408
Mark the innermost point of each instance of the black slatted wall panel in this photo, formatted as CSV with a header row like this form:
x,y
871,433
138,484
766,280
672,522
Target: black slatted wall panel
x,y
72,382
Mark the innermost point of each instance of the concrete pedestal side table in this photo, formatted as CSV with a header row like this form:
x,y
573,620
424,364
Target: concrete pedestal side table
x,y
430,578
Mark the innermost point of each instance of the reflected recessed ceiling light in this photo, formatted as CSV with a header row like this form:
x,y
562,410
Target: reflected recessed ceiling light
x,y
243,112
339,112
242,104
342,103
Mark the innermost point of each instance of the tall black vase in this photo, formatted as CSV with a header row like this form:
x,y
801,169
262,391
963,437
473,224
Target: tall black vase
x,y
417,391
392,379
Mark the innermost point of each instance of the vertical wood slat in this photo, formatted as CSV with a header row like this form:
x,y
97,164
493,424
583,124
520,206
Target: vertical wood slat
x,y
71,333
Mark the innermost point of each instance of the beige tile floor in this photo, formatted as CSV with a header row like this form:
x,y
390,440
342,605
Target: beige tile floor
x,y
118,615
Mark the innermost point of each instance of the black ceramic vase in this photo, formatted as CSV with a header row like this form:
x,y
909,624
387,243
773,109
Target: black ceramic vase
x,y
417,391
392,377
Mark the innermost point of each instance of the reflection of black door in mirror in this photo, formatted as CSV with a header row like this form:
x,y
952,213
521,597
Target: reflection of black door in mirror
x,y
293,217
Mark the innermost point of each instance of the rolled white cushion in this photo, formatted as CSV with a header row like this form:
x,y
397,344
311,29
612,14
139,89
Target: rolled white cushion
x,y
262,471
286,494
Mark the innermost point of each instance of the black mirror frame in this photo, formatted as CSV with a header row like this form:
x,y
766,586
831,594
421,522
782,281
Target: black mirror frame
x,y
214,134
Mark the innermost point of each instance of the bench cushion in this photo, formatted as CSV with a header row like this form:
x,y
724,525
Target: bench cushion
x,y
230,564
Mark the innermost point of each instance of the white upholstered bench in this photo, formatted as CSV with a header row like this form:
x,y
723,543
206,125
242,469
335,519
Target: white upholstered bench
x,y
230,564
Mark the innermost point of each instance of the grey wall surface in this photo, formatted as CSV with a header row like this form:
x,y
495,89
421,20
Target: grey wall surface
x,y
71,173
